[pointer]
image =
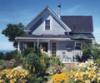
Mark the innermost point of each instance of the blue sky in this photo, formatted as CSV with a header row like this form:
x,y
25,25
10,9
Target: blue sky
x,y
15,11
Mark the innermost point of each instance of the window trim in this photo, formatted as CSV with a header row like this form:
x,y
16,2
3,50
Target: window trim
x,y
76,45
47,25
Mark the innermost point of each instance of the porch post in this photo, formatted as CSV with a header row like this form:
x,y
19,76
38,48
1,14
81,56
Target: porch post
x,y
37,43
74,52
49,53
18,47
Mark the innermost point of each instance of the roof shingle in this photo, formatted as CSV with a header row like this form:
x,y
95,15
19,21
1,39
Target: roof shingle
x,y
79,24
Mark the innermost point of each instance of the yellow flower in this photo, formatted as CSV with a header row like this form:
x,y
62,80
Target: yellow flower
x,y
87,81
2,81
12,74
98,79
12,80
58,78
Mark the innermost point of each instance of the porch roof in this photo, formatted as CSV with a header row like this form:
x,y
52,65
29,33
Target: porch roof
x,y
57,37
52,37
82,36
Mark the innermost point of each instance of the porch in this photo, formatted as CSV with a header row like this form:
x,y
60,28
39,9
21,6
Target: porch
x,y
63,48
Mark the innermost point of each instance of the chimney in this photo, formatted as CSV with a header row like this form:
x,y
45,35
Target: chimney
x,y
59,8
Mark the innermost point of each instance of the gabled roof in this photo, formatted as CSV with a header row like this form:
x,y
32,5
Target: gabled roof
x,y
79,24
32,23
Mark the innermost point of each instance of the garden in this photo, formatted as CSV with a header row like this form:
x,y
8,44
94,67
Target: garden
x,y
32,66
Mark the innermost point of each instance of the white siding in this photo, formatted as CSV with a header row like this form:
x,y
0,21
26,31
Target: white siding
x,y
64,54
56,28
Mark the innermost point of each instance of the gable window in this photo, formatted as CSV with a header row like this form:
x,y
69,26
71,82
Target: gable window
x,y
47,25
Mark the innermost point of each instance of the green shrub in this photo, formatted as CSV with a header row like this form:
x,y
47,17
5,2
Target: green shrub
x,y
98,61
2,64
27,51
96,53
1,55
35,79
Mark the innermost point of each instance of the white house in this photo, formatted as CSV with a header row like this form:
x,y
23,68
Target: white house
x,y
58,36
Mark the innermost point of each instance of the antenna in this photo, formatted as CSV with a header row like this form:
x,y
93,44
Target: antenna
x,y
59,8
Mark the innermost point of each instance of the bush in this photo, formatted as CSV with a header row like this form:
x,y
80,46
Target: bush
x,y
37,63
98,62
18,59
8,56
96,53
1,55
27,51
35,79
54,65
2,64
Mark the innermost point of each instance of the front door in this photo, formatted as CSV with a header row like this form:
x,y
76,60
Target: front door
x,y
44,46
53,48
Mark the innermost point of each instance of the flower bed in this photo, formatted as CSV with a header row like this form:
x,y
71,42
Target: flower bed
x,y
14,75
86,72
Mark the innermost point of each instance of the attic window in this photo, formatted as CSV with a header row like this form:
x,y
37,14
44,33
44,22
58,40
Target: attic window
x,y
47,25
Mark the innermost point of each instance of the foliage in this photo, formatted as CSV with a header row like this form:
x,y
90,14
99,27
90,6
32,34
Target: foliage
x,y
55,64
96,51
33,61
2,66
27,51
18,59
1,55
87,72
13,30
86,54
89,52
8,55
15,75
33,78
98,62
37,64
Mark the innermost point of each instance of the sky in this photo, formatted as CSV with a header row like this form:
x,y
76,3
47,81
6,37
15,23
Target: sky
x,y
16,11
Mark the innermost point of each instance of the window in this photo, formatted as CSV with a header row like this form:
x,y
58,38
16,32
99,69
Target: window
x,y
78,46
47,25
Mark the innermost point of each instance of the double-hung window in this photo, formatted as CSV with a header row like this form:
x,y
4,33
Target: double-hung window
x,y
47,25
78,46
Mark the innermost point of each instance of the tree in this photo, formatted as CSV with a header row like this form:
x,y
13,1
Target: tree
x,y
1,55
12,31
